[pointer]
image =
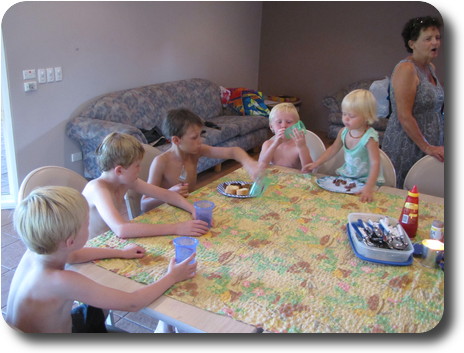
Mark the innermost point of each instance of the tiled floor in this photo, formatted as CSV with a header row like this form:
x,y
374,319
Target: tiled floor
x,y
13,249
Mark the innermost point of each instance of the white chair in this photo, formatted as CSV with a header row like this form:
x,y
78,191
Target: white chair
x,y
388,168
315,145
51,175
133,198
329,167
389,174
428,174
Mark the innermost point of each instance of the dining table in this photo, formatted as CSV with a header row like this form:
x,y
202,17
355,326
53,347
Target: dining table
x,y
282,262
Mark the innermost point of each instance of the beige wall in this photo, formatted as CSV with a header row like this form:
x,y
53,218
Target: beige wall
x,y
311,49
306,49
107,46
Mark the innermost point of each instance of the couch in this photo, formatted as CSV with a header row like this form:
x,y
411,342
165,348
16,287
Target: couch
x,y
333,103
129,111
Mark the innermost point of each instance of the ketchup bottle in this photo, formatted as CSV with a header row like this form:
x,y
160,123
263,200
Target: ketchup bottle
x,y
409,217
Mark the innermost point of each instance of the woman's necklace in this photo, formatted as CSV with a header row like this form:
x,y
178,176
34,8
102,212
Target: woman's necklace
x,y
358,137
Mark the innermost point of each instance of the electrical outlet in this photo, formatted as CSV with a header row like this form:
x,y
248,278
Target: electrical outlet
x,y
30,86
28,74
76,156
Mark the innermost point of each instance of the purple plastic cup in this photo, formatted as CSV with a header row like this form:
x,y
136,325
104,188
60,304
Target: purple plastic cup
x,y
204,211
184,247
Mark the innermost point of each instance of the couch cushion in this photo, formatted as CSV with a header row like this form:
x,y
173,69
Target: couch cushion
x,y
145,107
214,137
231,127
333,101
245,124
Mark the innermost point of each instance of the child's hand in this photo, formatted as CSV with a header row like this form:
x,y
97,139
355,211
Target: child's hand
x,y
279,136
309,167
181,188
299,137
193,228
182,271
256,169
132,251
366,194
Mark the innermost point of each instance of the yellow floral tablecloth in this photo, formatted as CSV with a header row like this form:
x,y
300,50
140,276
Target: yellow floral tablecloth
x,y
283,261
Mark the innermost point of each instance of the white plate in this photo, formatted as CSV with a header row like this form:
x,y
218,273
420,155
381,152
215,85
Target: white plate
x,y
222,189
327,183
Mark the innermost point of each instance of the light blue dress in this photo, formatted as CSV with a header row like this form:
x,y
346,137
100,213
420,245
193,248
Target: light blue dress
x,y
357,164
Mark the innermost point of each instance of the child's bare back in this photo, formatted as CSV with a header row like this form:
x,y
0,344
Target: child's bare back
x,y
38,300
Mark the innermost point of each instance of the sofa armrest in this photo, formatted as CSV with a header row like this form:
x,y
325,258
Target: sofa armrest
x,y
89,133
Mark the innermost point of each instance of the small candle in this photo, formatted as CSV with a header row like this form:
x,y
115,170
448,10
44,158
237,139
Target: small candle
x,y
432,248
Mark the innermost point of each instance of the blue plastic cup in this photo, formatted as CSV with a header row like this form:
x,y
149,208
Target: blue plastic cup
x,y
184,247
204,211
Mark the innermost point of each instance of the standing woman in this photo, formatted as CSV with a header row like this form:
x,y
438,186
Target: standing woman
x,y
416,125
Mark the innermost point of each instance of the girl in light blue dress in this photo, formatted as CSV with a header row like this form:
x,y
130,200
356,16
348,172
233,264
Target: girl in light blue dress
x,y
359,141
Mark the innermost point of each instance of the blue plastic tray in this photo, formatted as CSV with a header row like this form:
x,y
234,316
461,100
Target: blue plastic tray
x,y
407,263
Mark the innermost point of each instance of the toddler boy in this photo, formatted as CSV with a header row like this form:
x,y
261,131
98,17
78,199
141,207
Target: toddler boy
x,y
288,152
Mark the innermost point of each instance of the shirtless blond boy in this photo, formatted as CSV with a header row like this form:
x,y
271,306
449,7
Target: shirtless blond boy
x,y
119,157
184,128
53,223
278,150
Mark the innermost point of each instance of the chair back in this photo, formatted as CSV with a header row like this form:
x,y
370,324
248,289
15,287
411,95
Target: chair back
x,y
388,169
389,174
428,174
51,176
329,167
133,198
315,145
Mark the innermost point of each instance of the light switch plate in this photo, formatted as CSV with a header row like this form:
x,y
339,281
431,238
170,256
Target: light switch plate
x,y
50,74
58,73
42,75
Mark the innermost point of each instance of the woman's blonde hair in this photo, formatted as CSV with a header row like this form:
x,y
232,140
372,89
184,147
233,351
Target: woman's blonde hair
x,y
362,102
50,215
283,107
119,149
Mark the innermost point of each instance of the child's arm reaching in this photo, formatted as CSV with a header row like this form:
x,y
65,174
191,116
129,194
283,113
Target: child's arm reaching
x,y
103,200
328,154
130,251
236,153
367,192
83,289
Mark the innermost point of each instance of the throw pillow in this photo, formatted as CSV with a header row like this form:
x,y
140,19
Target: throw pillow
x,y
247,102
380,91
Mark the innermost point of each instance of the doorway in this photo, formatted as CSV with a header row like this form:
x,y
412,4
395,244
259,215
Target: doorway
x,y
8,160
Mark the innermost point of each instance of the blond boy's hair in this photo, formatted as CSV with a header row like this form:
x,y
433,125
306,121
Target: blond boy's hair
x,y
362,102
50,215
119,149
283,107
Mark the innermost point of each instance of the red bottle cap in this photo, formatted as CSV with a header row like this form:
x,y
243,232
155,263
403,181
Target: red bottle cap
x,y
413,192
